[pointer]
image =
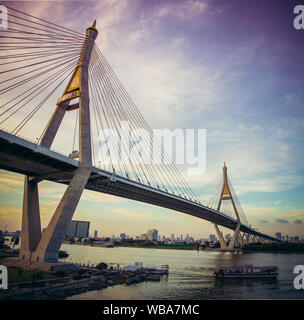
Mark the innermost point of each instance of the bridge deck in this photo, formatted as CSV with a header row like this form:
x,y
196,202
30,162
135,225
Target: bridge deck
x,y
25,157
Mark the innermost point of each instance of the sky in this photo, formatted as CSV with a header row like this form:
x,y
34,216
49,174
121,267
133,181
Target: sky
x,y
234,68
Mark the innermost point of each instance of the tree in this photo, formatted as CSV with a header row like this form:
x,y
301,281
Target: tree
x,y
102,266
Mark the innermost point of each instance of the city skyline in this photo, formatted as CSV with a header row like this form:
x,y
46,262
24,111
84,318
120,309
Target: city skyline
x,y
190,58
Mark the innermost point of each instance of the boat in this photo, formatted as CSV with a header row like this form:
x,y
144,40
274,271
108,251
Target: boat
x,y
248,271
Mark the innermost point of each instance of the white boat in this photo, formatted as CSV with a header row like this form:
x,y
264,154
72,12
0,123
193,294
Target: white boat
x,y
248,271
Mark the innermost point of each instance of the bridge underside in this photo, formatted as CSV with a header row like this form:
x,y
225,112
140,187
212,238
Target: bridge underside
x,y
39,163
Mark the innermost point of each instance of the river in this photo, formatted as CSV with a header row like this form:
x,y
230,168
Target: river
x,y
190,274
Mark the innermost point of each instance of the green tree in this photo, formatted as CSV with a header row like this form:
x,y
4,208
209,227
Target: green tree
x,y
102,266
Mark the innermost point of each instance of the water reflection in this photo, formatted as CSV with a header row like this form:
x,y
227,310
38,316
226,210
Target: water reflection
x,y
249,282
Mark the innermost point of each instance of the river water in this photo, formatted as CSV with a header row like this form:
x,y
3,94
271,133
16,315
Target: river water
x,y
190,274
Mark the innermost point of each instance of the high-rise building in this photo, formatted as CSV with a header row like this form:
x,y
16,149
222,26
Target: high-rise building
x,y
78,229
172,236
278,235
143,236
212,238
95,234
123,236
152,234
227,236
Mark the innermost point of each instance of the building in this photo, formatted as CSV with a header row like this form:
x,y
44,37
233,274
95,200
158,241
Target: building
x,y
143,236
212,238
78,229
17,233
278,235
228,237
95,234
172,236
152,234
123,236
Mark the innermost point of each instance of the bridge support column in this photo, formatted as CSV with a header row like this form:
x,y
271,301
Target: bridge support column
x,y
233,242
221,239
247,238
53,125
49,245
31,225
234,237
242,239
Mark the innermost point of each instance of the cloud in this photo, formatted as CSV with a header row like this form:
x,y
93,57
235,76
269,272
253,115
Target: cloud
x,y
298,221
184,10
130,213
263,221
294,213
281,220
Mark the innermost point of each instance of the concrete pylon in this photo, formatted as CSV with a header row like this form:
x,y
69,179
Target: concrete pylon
x,y
35,248
226,195
221,239
234,237
31,226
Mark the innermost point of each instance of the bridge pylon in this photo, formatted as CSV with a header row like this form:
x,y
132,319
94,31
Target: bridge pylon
x,y
44,248
226,194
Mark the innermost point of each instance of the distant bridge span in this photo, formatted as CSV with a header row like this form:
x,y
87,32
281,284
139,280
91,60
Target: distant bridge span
x,y
27,158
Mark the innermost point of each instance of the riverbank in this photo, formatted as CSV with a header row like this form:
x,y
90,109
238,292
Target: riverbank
x,y
283,247
29,284
127,245
264,251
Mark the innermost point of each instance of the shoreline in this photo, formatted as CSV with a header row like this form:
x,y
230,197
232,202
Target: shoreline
x,y
187,248
140,247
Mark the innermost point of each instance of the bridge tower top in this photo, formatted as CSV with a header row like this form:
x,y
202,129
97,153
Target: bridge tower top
x,y
226,193
76,96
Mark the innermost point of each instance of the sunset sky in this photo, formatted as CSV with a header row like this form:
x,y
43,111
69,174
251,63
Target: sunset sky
x,y
234,68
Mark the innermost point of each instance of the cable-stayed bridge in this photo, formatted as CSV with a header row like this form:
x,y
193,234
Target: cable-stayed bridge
x,y
50,74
